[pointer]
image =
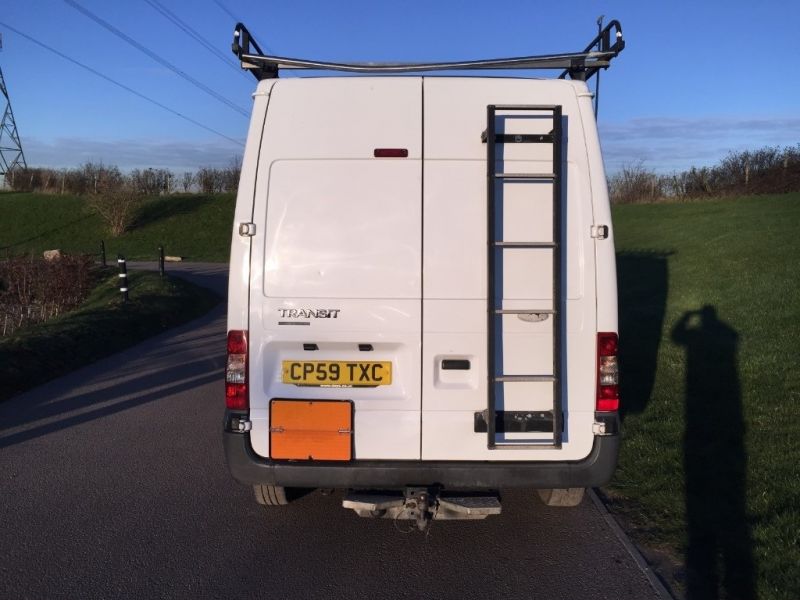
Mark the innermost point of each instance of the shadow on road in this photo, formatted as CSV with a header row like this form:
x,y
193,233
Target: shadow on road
x,y
151,372
720,561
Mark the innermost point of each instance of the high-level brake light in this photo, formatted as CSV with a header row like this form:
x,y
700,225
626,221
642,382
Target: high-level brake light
x,y
236,395
607,372
391,153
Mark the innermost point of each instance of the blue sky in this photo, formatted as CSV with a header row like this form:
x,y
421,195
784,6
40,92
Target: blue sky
x,y
696,80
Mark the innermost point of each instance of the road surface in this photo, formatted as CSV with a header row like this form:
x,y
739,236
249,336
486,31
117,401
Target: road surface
x,y
113,485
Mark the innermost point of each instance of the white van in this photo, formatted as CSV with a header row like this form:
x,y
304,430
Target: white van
x,y
422,297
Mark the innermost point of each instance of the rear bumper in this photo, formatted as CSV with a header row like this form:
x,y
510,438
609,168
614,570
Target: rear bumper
x,y
594,470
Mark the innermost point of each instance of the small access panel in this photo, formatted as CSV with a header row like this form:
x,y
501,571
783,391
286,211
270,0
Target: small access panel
x,y
494,421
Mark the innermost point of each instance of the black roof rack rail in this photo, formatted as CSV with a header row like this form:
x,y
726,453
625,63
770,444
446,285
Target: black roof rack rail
x,y
576,65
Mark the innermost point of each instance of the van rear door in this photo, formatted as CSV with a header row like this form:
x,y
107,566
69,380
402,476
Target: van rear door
x,y
336,276
454,336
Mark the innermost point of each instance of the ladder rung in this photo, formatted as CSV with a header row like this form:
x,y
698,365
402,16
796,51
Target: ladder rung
x,y
549,107
526,446
524,311
524,378
525,175
525,244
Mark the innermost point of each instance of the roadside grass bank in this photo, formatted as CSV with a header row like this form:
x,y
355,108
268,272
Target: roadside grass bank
x,y
709,330
101,326
194,226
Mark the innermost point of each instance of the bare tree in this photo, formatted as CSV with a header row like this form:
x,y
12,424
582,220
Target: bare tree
x,y
635,183
210,180
187,180
117,207
151,182
231,174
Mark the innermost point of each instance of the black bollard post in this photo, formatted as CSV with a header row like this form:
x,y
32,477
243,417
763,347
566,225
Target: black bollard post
x,y
123,277
161,261
103,252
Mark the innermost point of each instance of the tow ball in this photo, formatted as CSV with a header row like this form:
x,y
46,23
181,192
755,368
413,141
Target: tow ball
x,y
422,504
418,507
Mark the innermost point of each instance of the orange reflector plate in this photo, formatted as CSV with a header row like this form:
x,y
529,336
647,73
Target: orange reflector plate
x,y
311,430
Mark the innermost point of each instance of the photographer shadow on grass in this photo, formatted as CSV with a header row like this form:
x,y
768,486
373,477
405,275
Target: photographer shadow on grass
x,y
719,561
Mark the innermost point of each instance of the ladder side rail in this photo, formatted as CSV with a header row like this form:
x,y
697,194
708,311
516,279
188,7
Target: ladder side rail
x,y
559,305
490,279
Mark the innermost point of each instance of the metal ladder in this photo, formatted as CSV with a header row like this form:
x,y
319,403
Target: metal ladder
x,y
528,421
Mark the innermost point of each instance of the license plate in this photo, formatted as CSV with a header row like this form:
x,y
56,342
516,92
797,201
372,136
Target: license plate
x,y
326,373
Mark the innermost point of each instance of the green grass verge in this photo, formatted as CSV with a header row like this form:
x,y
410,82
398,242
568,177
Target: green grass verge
x,y
101,326
711,437
195,226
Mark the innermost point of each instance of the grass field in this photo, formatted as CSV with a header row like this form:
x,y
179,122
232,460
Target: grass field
x,y
709,332
194,226
101,326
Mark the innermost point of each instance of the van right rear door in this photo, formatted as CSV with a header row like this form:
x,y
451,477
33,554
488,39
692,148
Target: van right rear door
x,y
454,319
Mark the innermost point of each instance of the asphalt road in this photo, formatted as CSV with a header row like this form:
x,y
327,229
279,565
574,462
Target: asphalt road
x,y
113,485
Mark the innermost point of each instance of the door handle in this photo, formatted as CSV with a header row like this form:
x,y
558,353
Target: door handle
x,y
450,364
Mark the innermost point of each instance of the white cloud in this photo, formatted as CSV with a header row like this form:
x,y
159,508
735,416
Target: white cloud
x,y
668,144
664,144
129,154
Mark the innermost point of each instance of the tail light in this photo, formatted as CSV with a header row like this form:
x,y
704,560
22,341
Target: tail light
x,y
236,395
607,372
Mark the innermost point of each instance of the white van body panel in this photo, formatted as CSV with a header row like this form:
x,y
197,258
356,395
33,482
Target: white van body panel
x,y
605,257
341,233
397,247
239,274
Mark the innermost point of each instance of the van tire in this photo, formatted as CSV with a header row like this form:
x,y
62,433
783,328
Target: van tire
x,y
562,496
270,495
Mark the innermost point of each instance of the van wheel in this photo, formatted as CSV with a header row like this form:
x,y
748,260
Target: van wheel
x,y
562,496
270,495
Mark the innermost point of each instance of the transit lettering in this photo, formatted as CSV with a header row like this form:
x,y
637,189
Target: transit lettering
x,y
309,313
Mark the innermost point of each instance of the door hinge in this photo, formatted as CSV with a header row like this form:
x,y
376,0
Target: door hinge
x,y
247,229
600,232
599,428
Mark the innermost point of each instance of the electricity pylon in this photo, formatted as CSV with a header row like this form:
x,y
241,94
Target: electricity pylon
x,y
11,155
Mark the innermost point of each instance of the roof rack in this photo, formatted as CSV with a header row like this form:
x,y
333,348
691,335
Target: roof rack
x,y
576,65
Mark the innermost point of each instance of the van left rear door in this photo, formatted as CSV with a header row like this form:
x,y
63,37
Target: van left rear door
x,y
336,275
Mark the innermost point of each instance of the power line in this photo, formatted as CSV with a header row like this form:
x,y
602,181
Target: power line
x,y
118,84
156,57
227,11
192,33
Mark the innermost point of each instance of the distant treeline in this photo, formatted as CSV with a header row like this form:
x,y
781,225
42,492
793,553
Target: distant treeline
x,y
97,178
770,170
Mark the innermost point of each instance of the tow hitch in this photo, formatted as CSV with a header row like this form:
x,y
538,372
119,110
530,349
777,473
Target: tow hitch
x,y
422,505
